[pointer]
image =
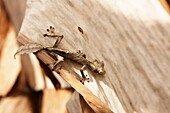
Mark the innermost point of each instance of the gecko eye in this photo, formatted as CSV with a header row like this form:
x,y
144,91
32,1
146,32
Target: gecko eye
x,y
48,30
95,70
51,27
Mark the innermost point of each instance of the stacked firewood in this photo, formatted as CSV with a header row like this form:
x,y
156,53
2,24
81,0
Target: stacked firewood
x,y
25,86
131,38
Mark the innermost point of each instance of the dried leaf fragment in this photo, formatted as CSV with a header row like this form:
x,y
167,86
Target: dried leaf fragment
x,y
28,48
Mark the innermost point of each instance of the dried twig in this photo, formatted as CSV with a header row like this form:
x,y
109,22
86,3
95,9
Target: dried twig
x,y
95,103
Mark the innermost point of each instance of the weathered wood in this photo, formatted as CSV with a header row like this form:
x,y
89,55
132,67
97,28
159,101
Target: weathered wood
x,y
131,37
16,104
33,72
16,10
20,98
54,101
9,67
73,105
95,103
77,104
5,24
85,106
9,26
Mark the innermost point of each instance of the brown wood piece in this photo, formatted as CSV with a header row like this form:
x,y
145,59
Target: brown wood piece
x,y
132,38
74,105
33,72
9,67
54,101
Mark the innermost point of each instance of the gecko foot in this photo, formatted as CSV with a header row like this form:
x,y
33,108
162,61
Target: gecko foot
x,y
84,77
51,33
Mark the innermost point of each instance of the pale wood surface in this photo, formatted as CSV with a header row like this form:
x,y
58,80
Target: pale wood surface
x,y
15,10
132,38
11,15
16,105
77,104
33,72
54,101
94,102
9,67
74,105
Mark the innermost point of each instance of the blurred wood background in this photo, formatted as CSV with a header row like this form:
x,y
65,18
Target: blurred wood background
x,y
131,37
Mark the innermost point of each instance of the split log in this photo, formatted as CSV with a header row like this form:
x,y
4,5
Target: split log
x,y
132,38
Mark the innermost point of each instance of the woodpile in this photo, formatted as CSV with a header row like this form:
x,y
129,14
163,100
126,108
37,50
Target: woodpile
x,y
132,39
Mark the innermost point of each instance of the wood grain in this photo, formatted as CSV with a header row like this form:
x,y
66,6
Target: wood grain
x,y
16,11
54,101
73,105
9,67
5,24
132,37
34,73
95,103
77,104
22,103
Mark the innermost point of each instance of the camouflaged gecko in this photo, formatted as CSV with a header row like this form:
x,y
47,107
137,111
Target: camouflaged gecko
x,y
96,66
79,57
